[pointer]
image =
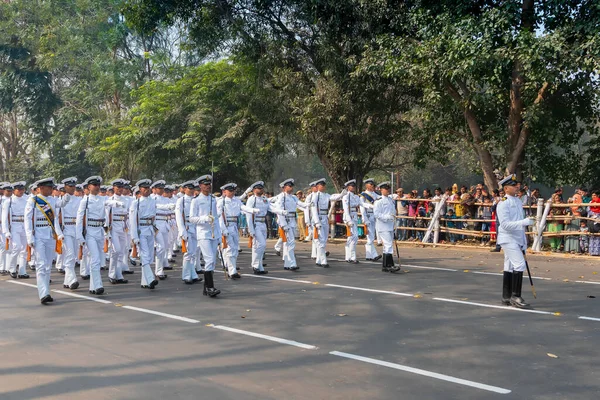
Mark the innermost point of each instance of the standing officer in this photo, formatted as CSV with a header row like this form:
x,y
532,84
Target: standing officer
x,y
162,223
203,213
350,205
116,218
512,223
319,203
368,198
13,229
42,230
384,211
308,220
4,253
288,203
67,216
187,233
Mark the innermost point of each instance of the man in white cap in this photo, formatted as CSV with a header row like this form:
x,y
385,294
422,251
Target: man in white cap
x,y
67,216
162,223
384,211
350,205
5,194
92,229
203,213
187,233
13,229
512,223
42,230
229,209
116,218
173,232
368,198
288,202
308,220
320,202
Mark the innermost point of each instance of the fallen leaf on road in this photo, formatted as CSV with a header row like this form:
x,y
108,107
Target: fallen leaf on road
x,y
581,277
552,355
417,296
315,283
565,280
594,273
248,310
466,270
342,315
558,313
243,316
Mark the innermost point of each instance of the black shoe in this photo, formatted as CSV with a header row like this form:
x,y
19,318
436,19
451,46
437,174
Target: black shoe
x,y
199,272
153,284
13,275
24,276
132,262
348,261
122,281
212,292
278,253
319,264
517,283
287,268
256,271
506,288
74,285
113,281
325,265
197,280
85,277
235,276
162,277
314,258
102,268
202,264
61,271
171,260
145,287
326,254
168,268
3,272
369,259
176,251
209,285
100,290
66,287
377,258
92,292
32,267
495,250
188,281
127,272
46,299
296,268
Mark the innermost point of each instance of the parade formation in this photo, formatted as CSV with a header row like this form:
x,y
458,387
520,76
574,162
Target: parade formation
x,y
119,225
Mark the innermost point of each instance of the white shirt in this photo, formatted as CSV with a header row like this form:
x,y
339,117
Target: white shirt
x,y
385,214
511,222
36,223
13,214
289,203
202,209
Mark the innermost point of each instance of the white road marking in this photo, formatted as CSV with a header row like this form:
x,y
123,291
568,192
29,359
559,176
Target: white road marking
x,y
23,283
370,290
266,337
424,267
590,318
274,278
423,372
493,306
97,300
177,317
592,282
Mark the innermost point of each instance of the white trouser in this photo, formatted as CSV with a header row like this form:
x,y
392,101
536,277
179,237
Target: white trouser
x,y
351,242
321,242
279,244
387,237
514,261
259,245
146,254
94,242
199,258
230,254
314,245
59,262
69,249
126,254
189,258
370,249
289,258
117,249
3,254
18,253
209,252
44,253
172,240
162,245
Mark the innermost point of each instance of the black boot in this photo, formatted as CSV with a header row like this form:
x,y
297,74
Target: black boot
x,y
384,263
507,287
391,266
209,285
517,283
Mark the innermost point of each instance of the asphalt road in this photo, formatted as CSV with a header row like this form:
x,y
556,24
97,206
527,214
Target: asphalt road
x,y
436,331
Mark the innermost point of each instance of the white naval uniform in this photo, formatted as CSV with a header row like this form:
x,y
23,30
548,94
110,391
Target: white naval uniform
x,y
4,254
289,203
308,220
350,204
142,213
511,223
187,232
41,236
319,206
13,218
162,237
257,228
68,217
208,232
384,211
173,231
229,210
366,209
117,218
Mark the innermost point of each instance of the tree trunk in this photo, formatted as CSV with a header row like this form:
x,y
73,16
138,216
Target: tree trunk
x,y
342,173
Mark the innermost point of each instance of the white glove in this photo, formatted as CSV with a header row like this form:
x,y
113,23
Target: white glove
x,y
530,221
82,242
31,244
255,211
225,233
209,219
61,237
136,241
249,190
391,217
183,237
8,235
318,226
350,224
120,204
283,213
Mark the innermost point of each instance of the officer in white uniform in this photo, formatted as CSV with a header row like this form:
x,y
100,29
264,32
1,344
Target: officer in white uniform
x,y
127,260
116,218
287,202
368,198
173,232
308,220
42,229
13,229
187,233
511,222
384,211
319,206
351,204
162,223
229,209
67,215
4,252
203,213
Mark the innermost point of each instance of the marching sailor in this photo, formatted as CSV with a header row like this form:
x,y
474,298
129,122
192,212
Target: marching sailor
x,y
203,213
13,229
511,222
4,252
308,220
368,198
173,232
319,203
350,205
116,218
288,203
67,216
42,230
187,233
162,223
384,212
229,209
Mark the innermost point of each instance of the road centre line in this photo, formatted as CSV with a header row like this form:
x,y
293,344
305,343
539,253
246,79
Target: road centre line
x,y
23,283
266,337
370,290
423,372
592,282
177,317
79,296
493,306
498,274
